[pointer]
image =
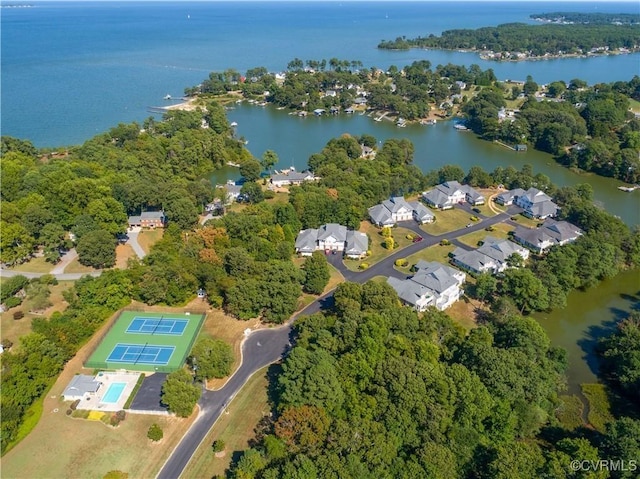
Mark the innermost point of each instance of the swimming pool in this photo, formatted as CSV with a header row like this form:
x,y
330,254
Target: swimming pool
x,y
113,393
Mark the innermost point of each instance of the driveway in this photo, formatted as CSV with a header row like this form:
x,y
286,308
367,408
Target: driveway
x,y
66,259
133,242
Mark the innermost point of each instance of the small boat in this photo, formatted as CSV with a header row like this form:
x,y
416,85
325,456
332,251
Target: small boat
x,y
233,124
628,189
461,127
167,97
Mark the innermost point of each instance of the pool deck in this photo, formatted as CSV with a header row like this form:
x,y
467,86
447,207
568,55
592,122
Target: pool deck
x,y
94,401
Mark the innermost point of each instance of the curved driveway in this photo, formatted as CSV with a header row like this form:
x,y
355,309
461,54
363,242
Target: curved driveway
x,y
266,346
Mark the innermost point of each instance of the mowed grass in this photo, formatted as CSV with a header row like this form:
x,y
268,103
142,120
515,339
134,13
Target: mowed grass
x,y
236,427
501,231
432,253
464,312
76,267
446,221
34,265
634,105
522,220
378,251
147,238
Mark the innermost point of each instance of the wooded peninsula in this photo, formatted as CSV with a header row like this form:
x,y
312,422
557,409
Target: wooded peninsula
x,y
519,41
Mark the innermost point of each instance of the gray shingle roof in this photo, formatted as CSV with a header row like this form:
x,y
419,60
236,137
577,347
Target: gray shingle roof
x,y
307,240
339,232
80,385
499,249
435,276
357,243
409,291
561,231
380,215
421,211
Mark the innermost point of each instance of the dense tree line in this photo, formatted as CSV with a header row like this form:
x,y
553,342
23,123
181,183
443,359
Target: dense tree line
x,y
590,128
92,188
373,390
535,40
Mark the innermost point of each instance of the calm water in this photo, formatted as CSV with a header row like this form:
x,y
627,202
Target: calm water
x,y
72,70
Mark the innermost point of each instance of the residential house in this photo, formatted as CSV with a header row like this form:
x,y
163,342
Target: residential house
x,y
233,191
291,177
508,197
390,211
536,204
551,233
449,193
332,237
148,219
421,213
491,257
433,284
81,386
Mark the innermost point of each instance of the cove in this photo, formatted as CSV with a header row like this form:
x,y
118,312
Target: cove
x,y
588,315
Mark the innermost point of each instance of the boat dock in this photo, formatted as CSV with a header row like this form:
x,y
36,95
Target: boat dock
x,y
628,189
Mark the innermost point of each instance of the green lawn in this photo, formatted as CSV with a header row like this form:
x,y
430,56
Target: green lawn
x,y
569,412
235,428
432,253
486,211
379,252
35,265
501,231
76,267
635,105
524,221
446,221
147,238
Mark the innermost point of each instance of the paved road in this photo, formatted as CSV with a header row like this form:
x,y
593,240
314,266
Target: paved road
x,y
267,346
260,349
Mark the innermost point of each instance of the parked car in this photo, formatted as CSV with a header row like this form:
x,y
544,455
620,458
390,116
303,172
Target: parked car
x,y
476,210
469,225
417,239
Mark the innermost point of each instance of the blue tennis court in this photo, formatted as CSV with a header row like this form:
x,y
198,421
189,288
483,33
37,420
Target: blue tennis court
x,y
141,354
174,327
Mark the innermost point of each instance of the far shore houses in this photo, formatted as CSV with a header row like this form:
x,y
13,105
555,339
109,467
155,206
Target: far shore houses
x,y
450,193
332,237
396,209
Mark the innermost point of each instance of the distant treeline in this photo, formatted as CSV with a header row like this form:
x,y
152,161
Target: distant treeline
x,y
537,40
589,18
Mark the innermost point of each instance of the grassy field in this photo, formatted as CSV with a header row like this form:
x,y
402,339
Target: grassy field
x,y
35,265
76,267
67,447
147,238
464,312
123,253
527,222
634,105
599,407
235,427
501,231
448,220
378,252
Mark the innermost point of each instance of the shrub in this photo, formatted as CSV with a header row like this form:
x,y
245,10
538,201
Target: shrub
x,y
48,279
155,433
18,315
368,252
490,228
402,262
363,265
69,411
218,446
6,343
514,218
74,404
268,195
410,237
445,242
12,302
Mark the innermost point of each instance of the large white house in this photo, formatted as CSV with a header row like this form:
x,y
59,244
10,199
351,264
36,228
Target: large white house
x,y
536,204
450,193
433,284
491,257
291,177
396,209
332,237
549,234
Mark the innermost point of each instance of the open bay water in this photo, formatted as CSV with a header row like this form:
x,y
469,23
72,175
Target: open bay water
x,y
71,70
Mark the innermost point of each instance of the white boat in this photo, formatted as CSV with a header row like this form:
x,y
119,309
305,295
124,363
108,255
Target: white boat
x,y
233,123
459,126
167,97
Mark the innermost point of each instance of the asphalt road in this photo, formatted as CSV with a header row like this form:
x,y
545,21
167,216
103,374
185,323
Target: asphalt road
x,y
267,346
